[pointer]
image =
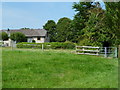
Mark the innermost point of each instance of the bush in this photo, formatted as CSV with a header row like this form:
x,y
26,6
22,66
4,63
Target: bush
x,y
4,36
52,45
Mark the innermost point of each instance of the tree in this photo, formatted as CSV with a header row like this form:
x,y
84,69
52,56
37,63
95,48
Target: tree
x,y
4,36
80,18
50,26
112,21
25,28
95,33
62,29
18,37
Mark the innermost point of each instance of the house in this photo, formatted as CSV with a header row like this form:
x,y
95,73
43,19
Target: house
x,y
39,35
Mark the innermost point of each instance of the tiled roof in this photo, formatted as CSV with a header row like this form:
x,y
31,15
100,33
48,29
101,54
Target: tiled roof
x,y
29,32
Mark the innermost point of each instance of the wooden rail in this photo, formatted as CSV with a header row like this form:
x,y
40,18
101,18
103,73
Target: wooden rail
x,y
87,50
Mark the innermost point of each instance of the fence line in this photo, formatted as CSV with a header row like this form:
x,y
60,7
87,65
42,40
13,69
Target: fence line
x,y
104,51
85,50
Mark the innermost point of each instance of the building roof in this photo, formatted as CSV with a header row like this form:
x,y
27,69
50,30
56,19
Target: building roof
x,y
28,32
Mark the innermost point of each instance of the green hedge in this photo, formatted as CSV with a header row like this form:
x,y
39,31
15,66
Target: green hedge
x,y
51,45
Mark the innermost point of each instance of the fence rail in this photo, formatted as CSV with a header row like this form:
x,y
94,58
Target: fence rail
x,y
101,51
88,50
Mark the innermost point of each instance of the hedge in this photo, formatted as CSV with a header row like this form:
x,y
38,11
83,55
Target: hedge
x,y
51,45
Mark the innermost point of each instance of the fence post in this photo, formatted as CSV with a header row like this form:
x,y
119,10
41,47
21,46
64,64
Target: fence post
x,y
11,45
119,52
105,52
116,52
76,49
42,47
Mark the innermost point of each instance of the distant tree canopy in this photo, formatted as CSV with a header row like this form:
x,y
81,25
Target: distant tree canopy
x,y
25,28
18,37
4,36
50,26
91,25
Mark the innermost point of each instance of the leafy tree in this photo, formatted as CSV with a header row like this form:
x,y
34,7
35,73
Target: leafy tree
x,y
112,21
18,37
80,18
50,26
94,32
62,29
4,36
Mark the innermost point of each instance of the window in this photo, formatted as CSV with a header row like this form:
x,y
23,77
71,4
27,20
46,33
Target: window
x,y
38,38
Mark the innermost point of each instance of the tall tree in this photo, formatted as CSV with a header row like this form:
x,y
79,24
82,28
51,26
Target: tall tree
x,y
62,29
80,18
94,32
112,21
50,26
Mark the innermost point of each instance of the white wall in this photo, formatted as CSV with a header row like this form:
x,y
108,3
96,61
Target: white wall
x,y
7,42
42,39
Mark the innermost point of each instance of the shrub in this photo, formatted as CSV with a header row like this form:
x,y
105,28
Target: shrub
x,y
52,45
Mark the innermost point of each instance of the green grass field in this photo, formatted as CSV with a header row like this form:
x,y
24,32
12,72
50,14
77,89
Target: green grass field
x,y
57,69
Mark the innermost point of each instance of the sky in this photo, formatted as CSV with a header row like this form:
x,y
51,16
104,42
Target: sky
x,y
16,15
34,15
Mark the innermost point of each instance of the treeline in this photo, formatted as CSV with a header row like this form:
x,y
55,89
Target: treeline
x,y
91,25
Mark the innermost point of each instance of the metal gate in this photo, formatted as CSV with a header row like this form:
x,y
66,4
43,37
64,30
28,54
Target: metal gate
x,y
108,52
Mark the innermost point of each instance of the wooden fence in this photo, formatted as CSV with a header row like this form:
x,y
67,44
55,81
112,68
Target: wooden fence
x,y
101,51
88,50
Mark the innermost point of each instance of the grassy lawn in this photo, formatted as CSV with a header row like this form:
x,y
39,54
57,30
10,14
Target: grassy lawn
x,y
57,69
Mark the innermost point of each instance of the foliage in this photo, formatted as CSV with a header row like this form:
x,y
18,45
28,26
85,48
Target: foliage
x,y
97,27
112,21
18,37
33,68
25,28
80,18
4,36
62,29
50,26
52,45
94,32
91,25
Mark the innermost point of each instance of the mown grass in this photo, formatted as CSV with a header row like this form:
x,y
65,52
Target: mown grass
x,y
56,69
